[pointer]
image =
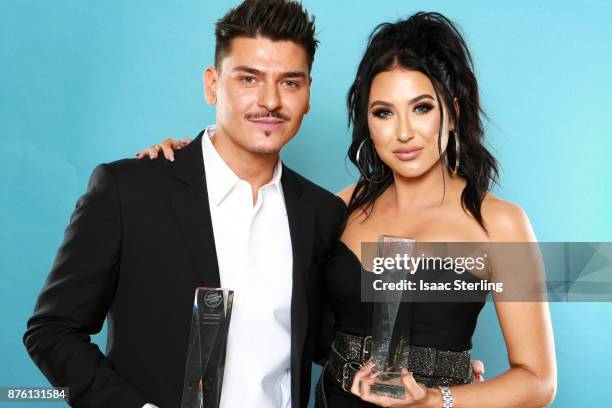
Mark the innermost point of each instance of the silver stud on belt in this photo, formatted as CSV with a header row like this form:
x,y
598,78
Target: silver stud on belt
x,y
366,348
347,381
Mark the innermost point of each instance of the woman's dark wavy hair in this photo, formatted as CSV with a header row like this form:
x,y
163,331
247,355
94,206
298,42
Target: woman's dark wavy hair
x,y
431,44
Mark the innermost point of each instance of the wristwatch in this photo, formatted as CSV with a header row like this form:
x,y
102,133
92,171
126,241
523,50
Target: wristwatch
x,y
447,397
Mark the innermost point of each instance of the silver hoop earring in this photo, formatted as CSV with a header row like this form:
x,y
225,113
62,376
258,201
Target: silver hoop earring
x,y
457,153
361,170
358,154
455,169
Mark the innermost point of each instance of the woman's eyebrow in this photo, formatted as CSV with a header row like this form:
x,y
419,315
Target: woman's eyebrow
x,y
390,105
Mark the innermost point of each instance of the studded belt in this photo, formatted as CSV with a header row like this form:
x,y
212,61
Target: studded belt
x,y
430,366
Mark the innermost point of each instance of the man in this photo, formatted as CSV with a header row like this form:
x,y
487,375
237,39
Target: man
x,y
225,213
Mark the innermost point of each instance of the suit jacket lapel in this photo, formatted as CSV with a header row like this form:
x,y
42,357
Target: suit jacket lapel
x,y
301,227
193,212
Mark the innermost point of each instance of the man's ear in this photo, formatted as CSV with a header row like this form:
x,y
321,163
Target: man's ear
x,y
309,88
210,78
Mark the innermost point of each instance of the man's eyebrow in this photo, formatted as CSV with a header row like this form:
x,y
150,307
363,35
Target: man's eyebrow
x,y
255,71
247,69
413,100
294,74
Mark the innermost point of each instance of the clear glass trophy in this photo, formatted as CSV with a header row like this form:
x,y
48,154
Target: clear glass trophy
x,y
391,318
212,309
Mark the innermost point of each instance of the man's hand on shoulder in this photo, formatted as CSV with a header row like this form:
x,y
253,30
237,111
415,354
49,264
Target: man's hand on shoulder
x,y
167,147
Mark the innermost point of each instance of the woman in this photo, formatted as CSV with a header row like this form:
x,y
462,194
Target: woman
x,y
425,174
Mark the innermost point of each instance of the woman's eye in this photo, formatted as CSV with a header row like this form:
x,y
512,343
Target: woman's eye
x,y
422,108
383,113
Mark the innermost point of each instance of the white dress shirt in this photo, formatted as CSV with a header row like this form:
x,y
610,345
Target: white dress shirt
x,y
255,260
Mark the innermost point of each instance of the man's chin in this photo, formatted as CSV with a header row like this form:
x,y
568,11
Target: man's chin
x,y
263,149
267,145
260,142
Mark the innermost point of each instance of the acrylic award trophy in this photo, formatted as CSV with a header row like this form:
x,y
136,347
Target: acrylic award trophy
x,y
391,322
212,310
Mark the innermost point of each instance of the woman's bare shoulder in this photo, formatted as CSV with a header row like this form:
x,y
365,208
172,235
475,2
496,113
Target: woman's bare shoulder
x,y
346,193
506,221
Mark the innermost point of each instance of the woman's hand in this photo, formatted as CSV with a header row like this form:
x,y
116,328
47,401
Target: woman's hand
x,y
168,147
417,395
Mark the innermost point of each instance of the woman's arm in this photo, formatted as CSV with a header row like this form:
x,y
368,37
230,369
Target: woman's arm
x,y
531,380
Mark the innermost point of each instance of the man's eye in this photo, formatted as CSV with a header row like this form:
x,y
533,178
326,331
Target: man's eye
x,y
422,108
248,80
383,113
291,84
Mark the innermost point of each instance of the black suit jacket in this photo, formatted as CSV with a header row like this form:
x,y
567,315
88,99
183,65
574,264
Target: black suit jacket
x,y
138,244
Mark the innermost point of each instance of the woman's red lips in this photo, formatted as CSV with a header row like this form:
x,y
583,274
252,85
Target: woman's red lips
x,y
407,153
407,149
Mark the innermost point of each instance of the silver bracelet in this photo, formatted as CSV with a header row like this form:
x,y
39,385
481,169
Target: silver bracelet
x,y
447,397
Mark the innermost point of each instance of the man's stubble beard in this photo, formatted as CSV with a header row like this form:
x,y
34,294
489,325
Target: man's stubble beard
x,y
262,150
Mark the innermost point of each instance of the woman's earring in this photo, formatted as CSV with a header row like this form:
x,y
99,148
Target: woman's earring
x,y
457,153
361,170
358,155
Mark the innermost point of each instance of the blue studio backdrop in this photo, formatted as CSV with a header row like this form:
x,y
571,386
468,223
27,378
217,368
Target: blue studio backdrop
x,y
84,82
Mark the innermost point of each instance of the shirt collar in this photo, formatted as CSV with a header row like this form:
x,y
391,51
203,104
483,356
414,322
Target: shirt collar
x,y
224,179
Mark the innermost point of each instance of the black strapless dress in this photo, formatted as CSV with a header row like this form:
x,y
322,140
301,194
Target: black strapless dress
x,y
442,325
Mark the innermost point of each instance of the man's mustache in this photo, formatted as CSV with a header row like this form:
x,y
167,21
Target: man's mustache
x,y
261,115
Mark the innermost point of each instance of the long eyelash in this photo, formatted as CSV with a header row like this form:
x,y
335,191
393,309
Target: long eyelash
x,y
382,113
427,106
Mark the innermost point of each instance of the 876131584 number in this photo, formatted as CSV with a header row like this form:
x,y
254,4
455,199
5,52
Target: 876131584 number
x,y
33,394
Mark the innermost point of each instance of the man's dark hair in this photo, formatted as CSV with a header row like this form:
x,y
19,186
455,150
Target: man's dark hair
x,y
273,19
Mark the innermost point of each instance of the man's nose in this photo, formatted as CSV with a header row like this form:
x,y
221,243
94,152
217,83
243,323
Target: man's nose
x,y
269,97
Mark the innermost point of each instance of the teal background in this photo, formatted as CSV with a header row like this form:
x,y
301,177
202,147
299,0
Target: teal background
x,y
84,82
